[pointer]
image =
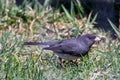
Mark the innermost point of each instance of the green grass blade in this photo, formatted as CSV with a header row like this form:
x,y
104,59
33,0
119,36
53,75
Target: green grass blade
x,y
72,10
115,28
79,8
67,13
94,18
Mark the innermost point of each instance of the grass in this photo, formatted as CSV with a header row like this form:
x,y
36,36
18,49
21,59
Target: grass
x,y
18,62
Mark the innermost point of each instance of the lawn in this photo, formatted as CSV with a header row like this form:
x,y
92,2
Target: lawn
x,y
41,23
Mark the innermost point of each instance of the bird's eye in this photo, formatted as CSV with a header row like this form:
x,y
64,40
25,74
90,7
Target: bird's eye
x,y
89,38
92,37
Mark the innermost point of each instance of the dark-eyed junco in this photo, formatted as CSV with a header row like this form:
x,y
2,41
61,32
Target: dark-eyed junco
x,y
69,49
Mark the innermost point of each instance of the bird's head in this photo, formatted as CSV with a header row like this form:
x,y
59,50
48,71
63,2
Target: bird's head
x,y
89,39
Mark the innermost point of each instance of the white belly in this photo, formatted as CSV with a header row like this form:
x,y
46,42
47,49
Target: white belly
x,y
66,56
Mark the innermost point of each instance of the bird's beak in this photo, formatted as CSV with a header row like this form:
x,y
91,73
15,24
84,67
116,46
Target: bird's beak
x,y
97,39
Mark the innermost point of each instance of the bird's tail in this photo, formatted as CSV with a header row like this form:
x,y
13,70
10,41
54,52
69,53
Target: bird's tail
x,y
42,44
32,43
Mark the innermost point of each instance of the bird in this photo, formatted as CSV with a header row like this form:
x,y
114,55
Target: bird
x,y
69,49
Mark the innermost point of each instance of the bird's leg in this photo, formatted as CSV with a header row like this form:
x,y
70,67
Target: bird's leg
x,y
62,62
74,62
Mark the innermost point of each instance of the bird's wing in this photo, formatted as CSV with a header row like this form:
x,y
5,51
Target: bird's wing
x,y
68,47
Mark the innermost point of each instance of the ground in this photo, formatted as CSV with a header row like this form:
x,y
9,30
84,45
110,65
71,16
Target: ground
x,y
21,24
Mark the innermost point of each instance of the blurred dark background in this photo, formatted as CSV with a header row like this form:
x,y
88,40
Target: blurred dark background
x,y
106,9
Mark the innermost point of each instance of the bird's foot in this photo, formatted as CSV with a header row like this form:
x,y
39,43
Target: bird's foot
x,y
62,62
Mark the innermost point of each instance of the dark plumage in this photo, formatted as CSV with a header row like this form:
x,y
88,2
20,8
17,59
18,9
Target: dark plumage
x,y
71,48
